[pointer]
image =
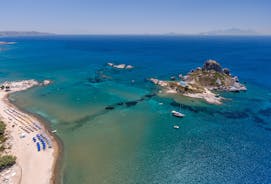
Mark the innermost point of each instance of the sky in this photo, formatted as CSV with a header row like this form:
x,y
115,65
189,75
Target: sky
x,y
134,16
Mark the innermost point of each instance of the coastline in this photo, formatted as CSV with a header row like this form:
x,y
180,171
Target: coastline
x,y
56,176
57,167
34,166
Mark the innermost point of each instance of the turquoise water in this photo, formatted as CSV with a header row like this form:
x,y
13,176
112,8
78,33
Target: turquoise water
x,y
137,144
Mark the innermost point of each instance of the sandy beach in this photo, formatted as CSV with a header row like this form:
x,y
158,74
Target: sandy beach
x,y
24,132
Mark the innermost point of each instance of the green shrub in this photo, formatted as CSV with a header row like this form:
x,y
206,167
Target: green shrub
x,y
2,132
2,128
7,161
2,148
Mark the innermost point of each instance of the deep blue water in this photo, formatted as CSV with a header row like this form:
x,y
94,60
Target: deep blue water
x,y
215,144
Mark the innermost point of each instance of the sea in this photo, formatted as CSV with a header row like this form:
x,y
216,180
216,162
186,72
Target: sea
x,y
116,128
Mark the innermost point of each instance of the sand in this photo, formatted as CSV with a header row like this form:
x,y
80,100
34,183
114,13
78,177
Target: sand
x,y
31,166
207,95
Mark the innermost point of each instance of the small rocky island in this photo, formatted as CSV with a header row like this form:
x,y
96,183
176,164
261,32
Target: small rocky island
x,y
203,83
120,66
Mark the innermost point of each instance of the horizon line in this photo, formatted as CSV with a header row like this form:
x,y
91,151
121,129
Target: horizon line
x,y
124,34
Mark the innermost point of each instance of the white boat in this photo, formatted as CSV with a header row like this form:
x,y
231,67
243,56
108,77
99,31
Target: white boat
x,y
177,114
54,131
176,127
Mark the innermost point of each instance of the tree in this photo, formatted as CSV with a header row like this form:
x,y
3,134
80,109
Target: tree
x,y
2,132
7,161
2,128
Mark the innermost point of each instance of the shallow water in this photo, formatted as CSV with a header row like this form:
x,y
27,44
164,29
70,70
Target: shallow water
x,y
137,143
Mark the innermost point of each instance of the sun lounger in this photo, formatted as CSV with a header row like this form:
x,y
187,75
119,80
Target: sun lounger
x,y
36,125
24,120
43,145
38,146
47,140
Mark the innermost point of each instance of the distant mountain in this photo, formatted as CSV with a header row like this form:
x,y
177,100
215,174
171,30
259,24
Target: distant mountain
x,y
23,33
232,31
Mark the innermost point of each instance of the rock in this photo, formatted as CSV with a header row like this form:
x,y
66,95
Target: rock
x,y
153,80
120,103
46,82
162,83
185,78
150,95
120,66
109,108
129,67
212,65
218,81
131,103
237,87
159,82
236,79
226,71
173,78
110,64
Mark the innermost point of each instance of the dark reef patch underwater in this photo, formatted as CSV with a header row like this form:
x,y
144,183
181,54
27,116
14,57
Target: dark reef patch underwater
x,y
265,112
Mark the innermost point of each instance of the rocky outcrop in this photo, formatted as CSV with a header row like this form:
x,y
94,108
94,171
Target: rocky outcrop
x,y
46,82
120,66
213,77
226,71
203,82
212,65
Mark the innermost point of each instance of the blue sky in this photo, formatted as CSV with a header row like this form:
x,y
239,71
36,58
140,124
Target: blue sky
x,y
134,17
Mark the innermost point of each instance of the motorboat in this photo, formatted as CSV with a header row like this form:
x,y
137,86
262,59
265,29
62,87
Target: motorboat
x,y
176,127
177,114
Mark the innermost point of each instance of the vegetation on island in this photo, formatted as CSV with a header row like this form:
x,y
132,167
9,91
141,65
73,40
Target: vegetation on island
x,y
5,160
203,82
213,77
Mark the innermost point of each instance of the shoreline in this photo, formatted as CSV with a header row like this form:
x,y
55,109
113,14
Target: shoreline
x,y
60,151
37,167
56,176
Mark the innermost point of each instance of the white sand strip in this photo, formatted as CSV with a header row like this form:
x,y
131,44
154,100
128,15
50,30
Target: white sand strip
x,y
31,166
